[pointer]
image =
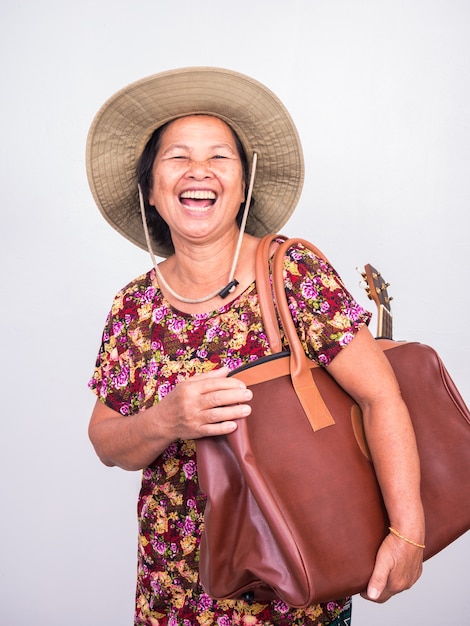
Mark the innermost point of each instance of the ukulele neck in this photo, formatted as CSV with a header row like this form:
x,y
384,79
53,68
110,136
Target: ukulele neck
x,y
384,323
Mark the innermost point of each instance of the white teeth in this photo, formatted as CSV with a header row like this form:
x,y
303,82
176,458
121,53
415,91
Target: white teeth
x,y
199,194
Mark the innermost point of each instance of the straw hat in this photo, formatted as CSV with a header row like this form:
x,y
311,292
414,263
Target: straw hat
x,y
126,121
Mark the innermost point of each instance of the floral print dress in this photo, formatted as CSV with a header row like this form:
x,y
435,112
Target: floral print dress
x,y
147,348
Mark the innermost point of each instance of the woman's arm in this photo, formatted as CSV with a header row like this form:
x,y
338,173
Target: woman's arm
x,y
364,372
204,405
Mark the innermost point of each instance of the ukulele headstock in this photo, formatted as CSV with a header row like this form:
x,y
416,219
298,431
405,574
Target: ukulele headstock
x,y
376,287
377,290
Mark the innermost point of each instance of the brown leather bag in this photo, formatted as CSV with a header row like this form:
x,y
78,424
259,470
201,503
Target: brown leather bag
x,y
294,510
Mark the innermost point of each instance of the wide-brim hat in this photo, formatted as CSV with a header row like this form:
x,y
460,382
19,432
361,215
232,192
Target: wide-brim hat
x,y
125,122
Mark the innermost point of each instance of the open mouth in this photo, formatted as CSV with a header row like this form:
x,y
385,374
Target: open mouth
x,y
198,198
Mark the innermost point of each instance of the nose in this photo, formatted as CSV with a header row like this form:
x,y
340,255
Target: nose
x,y
199,169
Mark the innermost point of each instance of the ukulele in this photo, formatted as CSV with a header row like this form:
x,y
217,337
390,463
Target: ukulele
x,y
376,289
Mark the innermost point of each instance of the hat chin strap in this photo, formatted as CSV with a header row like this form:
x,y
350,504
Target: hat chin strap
x,y
232,281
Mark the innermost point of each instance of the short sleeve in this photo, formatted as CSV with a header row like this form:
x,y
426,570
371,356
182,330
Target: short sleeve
x,y
326,315
116,377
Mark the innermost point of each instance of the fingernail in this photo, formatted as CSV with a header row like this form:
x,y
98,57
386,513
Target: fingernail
x,y
373,593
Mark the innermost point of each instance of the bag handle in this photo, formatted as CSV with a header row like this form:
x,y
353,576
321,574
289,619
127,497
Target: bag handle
x,y
306,390
265,292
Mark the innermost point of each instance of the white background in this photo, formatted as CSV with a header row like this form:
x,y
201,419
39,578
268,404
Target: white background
x,y
380,92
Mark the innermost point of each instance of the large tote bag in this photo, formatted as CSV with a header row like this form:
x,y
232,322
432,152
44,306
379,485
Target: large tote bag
x,y
294,510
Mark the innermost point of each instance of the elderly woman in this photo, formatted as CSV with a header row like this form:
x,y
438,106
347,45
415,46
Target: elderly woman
x,y
183,141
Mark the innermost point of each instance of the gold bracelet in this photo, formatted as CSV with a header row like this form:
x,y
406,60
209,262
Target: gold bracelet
x,y
413,543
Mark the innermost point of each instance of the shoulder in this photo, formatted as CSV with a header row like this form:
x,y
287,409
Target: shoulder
x,y
138,285
137,293
302,253
302,263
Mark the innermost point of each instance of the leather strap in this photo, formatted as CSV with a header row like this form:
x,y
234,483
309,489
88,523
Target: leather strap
x,y
307,392
265,292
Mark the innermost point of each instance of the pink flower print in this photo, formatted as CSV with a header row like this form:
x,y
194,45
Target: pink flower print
x,y
122,378
281,607
346,339
309,291
159,546
156,345
156,586
205,602
117,328
176,324
159,314
188,527
151,369
354,312
189,469
212,333
171,450
232,363
296,255
148,295
164,390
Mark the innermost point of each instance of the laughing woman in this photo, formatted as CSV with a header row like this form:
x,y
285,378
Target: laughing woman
x,y
171,163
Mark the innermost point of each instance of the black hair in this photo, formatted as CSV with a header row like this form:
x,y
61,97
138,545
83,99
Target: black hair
x,y
158,228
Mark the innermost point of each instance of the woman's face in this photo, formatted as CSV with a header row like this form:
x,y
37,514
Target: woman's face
x,y
198,179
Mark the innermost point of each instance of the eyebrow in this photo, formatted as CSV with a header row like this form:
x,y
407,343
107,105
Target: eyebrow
x,y
183,146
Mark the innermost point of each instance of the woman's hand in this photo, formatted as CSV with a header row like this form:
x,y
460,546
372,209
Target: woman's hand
x,y
204,405
397,567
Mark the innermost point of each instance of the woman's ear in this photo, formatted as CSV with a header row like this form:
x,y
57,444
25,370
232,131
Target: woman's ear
x,y
151,201
243,194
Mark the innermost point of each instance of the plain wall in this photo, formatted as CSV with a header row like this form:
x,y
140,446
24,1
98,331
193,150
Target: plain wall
x,y
379,91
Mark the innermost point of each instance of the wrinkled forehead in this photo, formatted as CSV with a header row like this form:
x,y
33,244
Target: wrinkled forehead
x,y
200,126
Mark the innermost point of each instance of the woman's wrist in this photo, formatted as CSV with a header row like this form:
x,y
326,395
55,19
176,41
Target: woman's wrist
x,y
156,432
398,534
410,526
